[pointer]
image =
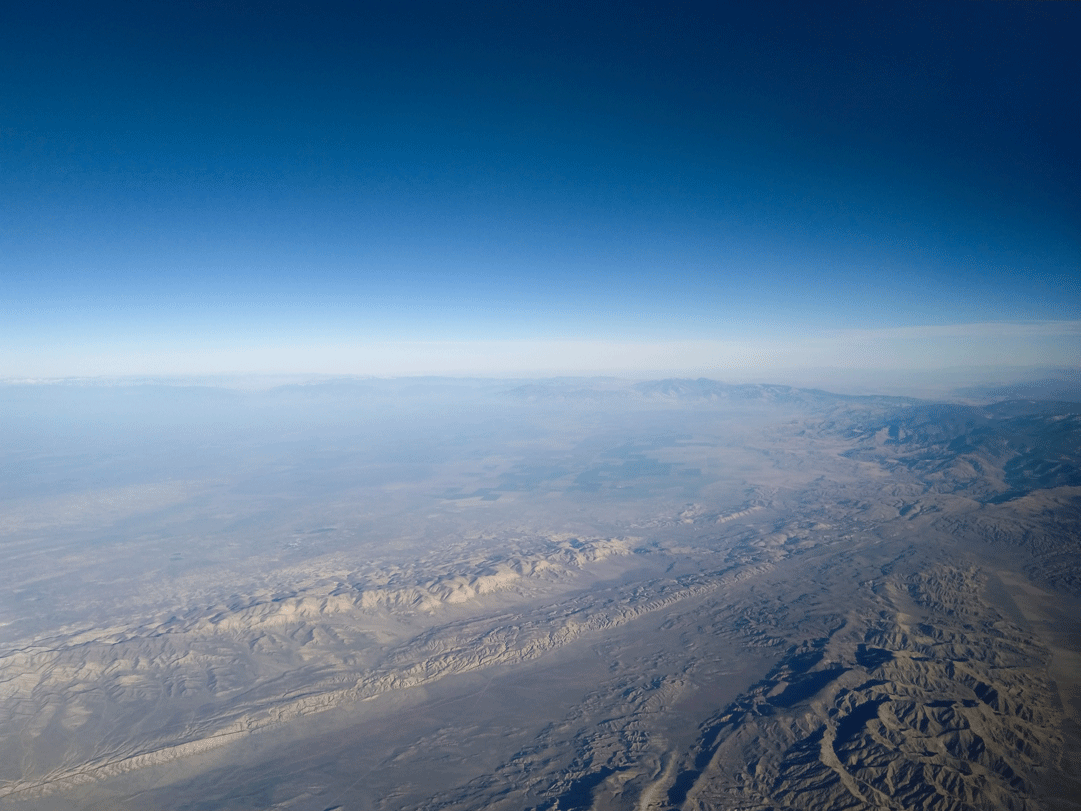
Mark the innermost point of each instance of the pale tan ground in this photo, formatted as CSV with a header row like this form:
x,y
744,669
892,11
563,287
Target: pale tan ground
x,y
804,622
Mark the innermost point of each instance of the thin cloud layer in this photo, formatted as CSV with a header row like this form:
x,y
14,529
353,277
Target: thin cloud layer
x,y
911,348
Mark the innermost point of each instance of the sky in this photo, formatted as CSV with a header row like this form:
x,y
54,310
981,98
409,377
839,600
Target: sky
x,y
729,189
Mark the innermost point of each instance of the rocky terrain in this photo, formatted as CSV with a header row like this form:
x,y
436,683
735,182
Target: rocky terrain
x,y
706,596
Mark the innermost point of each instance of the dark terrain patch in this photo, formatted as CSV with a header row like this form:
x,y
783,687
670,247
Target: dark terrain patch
x,y
806,686
871,658
580,794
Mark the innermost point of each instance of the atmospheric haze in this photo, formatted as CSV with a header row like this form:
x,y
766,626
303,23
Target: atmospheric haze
x,y
540,406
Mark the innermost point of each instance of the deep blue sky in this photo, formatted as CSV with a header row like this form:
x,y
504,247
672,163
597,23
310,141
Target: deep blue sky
x,y
203,178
